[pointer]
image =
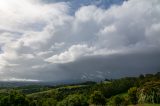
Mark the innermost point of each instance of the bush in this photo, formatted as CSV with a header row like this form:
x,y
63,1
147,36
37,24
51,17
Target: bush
x,y
132,94
74,100
116,86
117,101
15,99
149,93
97,98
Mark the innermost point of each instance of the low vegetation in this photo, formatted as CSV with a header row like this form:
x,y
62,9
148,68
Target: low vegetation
x,y
140,91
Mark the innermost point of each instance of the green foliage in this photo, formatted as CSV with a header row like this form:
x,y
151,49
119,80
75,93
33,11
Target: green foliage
x,y
117,101
144,89
132,94
32,89
47,102
149,93
97,98
62,92
116,86
74,100
15,98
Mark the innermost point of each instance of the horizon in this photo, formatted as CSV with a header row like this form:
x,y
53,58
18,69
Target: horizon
x,y
78,40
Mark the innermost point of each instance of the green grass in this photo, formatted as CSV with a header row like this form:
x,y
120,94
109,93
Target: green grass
x,y
123,94
146,105
52,91
41,93
151,105
107,82
73,86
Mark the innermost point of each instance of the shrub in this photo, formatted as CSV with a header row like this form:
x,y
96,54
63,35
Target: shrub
x,y
149,93
132,94
117,101
74,100
97,98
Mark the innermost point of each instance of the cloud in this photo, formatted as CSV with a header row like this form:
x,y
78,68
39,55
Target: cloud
x,y
43,41
15,79
72,54
26,15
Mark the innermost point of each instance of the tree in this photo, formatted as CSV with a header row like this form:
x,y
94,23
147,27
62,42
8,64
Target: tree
x,y
117,101
74,100
132,94
116,86
48,102
141,76
14,99
97,98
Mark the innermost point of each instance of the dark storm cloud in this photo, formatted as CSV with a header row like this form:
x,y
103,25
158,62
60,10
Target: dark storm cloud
x,y
114,66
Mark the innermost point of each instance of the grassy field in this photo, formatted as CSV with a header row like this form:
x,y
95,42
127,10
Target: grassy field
x,y
67,89
146,105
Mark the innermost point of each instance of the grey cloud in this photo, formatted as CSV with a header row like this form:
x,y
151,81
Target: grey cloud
x,y
92,44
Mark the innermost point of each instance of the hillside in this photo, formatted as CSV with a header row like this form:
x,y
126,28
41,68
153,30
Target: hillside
x,y
144,90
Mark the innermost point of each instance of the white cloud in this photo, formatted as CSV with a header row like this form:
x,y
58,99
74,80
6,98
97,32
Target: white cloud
x,y
74,52
16,79
33,33
27,15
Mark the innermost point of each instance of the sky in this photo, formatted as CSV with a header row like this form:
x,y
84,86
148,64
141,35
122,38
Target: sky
x,y
78,40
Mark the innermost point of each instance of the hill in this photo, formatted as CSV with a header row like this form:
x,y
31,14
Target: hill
x,y
144,90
